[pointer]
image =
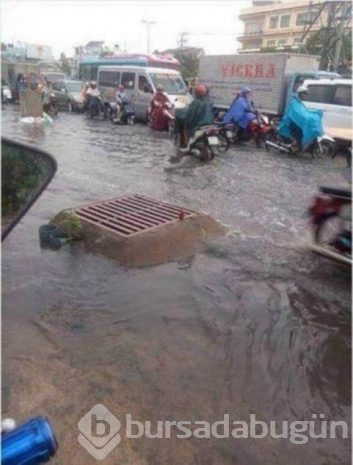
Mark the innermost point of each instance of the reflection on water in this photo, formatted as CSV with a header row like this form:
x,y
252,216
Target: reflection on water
x,y
254,324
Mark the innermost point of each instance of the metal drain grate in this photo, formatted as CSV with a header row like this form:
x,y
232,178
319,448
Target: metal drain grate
x,y
131,215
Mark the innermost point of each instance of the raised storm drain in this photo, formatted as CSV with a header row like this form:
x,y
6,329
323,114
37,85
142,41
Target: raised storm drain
x,y
131,215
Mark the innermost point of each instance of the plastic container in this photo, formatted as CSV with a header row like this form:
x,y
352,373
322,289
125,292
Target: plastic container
x,y
32,443
52,236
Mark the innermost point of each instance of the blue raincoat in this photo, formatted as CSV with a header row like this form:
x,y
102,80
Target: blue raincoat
x,y
308,120
240,112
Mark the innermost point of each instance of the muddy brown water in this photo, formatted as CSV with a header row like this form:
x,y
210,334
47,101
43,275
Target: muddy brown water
x,y
254,323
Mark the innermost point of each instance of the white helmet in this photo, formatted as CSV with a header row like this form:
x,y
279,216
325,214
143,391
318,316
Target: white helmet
x,y
302,89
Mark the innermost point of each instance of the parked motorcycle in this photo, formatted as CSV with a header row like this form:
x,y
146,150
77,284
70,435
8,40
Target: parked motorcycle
x,y
95,108
51,108
330,217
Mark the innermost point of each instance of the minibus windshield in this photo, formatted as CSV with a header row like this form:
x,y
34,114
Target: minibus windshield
x,y
171,83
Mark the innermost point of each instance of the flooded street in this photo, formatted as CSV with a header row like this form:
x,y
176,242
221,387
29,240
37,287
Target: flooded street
x,y
253,324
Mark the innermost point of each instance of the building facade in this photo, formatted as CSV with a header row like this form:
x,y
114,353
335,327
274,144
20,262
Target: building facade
x,y
279,25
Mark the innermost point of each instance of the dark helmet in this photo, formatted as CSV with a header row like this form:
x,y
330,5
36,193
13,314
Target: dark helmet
x,y
200,90
93,84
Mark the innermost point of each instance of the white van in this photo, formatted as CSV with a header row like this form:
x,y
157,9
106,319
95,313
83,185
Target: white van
x,y
334,98
140,84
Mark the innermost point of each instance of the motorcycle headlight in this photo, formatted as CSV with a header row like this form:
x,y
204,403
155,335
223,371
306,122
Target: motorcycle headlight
x,y
265,119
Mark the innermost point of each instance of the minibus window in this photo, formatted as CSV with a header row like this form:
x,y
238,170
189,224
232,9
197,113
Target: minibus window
x,y
128,80
109,78
144,85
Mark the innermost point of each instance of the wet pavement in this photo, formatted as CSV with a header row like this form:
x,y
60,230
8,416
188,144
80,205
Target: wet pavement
x,y
254,323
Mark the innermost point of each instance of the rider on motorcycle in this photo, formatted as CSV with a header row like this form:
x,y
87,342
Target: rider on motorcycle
x,y
241,112
299,123
198,114
84,94
121,100
44,89
93,95
159,102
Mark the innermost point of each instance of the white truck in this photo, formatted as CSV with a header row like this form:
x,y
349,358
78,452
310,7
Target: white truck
x,y
272,77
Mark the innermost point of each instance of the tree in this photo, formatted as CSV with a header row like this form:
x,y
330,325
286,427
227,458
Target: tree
x,y
106,50
323,43
65,64
189,58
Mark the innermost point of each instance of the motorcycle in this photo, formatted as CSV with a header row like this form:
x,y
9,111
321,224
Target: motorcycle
x,y
126,114
163,112
300,130
51,108
330,217
205,144
259,130
323,146
95,108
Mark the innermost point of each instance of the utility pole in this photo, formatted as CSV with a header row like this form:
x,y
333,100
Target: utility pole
x,y
182,40
334,17
148,25
340,29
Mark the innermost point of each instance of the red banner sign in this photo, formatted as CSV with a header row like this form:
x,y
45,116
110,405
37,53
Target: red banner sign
x,y
249,70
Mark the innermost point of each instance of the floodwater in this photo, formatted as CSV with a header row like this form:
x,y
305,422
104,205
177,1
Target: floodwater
x,y
253,324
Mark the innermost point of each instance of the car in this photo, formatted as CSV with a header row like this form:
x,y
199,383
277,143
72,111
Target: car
x,y
53,76
68,95
6,94
334,98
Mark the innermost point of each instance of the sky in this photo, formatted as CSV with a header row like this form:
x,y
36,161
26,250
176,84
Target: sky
x,y
64,24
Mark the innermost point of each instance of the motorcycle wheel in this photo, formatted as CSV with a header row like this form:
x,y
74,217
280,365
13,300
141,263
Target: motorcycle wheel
x,y
205,152
52,110
175,138
272,137
262,138
326,232
149,119
224,143
327,149
102,116
70,107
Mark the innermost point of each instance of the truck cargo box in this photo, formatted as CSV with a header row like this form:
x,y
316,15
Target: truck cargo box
x,y
264,73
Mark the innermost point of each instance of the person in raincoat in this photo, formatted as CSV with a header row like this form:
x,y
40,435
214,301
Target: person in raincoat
x,y
299,123
198,114
241,111
160,101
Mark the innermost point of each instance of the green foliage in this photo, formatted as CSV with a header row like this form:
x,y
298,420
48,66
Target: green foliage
x,y
73,226
64,64
323,43
189,61
20,177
